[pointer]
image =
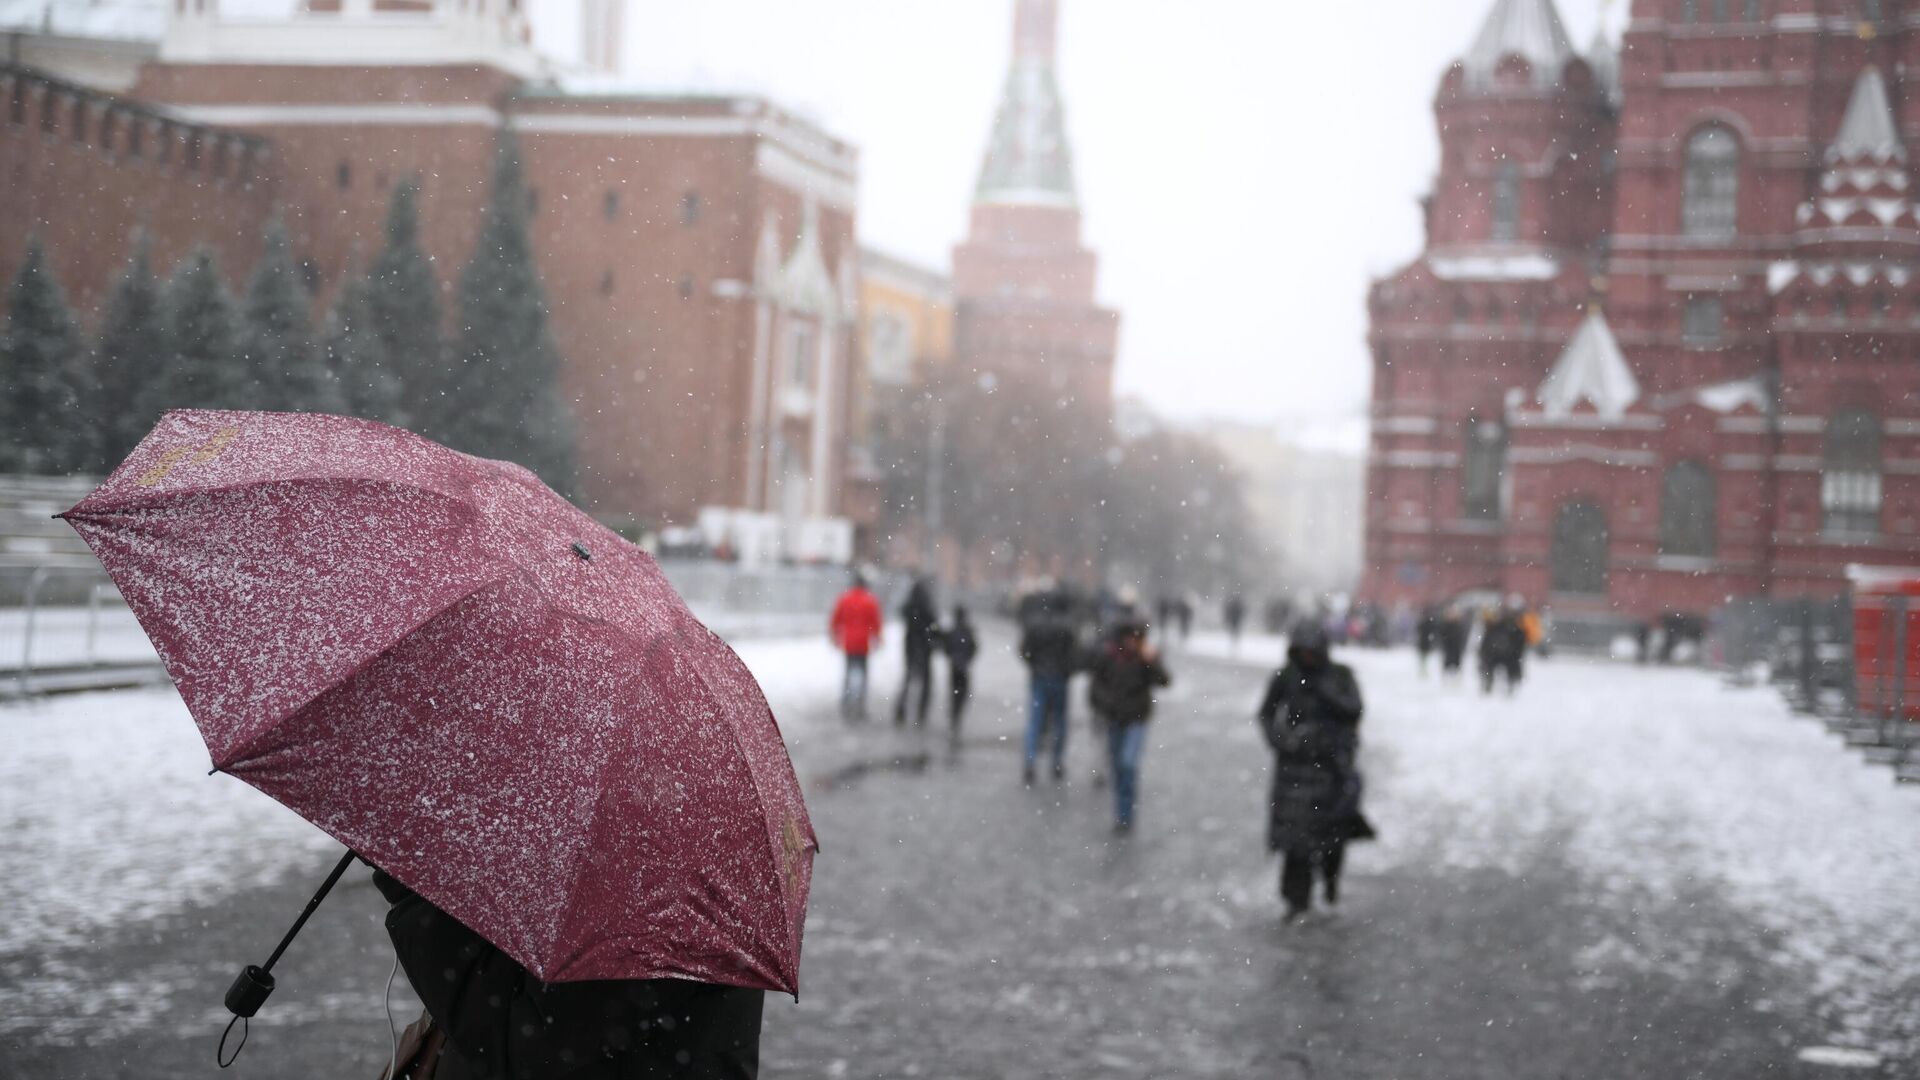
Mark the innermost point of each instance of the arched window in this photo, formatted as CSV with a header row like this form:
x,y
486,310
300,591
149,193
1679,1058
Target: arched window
x,y
1850,475
1710,200
1506,201
1580,549
1687,511
1486,461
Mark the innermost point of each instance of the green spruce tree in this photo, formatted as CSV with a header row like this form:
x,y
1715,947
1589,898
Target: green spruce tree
x,y
205,366
45,427
129,354
357,358
289,372
404,300
504,379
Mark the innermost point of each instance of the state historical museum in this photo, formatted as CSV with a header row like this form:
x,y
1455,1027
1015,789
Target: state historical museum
x,y
1661,347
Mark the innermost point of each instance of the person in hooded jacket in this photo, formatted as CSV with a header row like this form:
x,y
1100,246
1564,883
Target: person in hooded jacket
x,y
1311,719
922,632
503,1024
1125,669
855,629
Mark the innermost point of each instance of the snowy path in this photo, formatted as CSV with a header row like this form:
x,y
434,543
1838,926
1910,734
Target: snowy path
x,y
1660,786
1621,872
107,814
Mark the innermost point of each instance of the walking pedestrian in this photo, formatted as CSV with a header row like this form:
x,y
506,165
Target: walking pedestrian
x,y
500,1022
1311,719
1426,635
920,627
1503,649
1050,648
1236,616
1454,632
1125,671
855,629
961,647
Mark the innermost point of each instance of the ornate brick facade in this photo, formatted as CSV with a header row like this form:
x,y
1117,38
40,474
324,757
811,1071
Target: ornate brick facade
x,y
1659,349
698,252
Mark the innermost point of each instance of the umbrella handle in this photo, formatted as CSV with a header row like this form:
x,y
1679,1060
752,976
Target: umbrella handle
x,y
249,991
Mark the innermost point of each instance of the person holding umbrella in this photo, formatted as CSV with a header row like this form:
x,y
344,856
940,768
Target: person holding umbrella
x,y
570,786
499,1022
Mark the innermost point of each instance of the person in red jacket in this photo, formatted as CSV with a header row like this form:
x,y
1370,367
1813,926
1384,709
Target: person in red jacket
x,y
856,631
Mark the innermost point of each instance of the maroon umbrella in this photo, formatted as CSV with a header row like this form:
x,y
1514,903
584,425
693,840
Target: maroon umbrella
x,y
470,683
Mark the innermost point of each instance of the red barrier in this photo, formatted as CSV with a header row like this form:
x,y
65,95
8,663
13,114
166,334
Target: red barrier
x,y
1886,640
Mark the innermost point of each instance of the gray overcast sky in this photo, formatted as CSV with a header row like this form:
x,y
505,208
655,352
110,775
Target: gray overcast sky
x,y
1246,166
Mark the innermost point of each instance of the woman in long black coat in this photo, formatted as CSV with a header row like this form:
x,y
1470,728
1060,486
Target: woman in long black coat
x,y
503,1024
1311,718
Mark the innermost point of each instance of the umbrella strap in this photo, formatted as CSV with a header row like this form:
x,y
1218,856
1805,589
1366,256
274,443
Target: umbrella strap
x,y
220,1055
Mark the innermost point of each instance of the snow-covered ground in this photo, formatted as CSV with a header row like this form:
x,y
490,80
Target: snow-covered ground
x,y
1660,786
107,814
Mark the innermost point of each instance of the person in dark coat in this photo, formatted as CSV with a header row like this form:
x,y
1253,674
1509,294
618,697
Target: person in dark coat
x,y
1125,671
1236,616
921,626
1503,649
1453,641
503,1024
1311,719
1050,646
961,646
1426,635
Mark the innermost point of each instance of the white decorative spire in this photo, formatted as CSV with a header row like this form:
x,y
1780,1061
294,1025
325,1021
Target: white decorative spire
x,y
1029,160
1528,29
1592,370
1604,60
1869,133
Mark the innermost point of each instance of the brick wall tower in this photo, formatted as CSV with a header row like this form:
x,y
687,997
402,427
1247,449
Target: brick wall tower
x,y
1735,414
1023,282
1515,225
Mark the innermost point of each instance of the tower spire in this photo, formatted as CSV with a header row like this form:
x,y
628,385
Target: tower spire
x,y
1036,27
1029,161
1528,29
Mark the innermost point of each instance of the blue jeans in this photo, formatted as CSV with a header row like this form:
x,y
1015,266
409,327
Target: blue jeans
x,y
853,690
1047,714
1125,743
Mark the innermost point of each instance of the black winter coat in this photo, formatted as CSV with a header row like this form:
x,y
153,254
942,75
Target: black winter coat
x,y
922,622
1123,684
503,1024
960,645
1049,645
1311,719
1502,640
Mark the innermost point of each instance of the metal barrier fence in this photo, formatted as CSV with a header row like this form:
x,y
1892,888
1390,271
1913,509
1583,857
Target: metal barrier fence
x,y
64,626
1851,661
1804,645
